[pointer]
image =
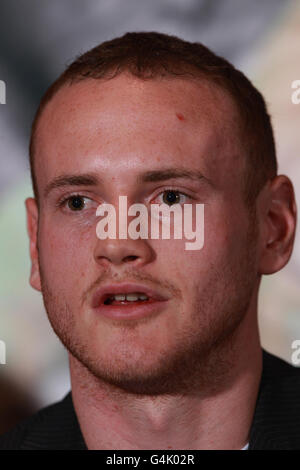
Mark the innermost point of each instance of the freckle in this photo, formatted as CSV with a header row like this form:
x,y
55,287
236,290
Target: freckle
x,y
180,116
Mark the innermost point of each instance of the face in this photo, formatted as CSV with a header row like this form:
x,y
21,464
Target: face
x,y
114,134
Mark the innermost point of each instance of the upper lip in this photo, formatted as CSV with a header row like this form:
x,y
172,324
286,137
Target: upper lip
x,y
103,292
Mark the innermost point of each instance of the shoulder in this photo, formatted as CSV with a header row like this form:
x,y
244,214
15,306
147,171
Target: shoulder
x,y
53,427
282,378
274,367
276,423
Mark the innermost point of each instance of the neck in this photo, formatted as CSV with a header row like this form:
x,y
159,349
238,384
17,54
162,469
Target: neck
x,y
210,418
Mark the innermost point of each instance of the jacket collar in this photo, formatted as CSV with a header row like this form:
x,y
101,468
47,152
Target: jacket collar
x,y
276,421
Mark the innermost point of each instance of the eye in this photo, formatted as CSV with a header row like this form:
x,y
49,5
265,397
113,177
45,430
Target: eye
x,y
171,197
76,202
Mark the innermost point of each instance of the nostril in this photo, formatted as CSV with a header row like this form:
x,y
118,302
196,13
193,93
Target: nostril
x,y
130,258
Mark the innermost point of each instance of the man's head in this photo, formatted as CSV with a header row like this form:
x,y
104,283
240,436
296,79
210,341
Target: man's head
x,y
132,117
153,55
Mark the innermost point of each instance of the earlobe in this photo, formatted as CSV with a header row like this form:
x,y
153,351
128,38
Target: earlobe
x,y
32,229
279,225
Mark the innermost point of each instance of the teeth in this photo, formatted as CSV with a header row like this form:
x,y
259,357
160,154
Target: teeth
x,y
143,297
133,297
119,297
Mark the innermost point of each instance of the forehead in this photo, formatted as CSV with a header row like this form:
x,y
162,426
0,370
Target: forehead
x,y
110,124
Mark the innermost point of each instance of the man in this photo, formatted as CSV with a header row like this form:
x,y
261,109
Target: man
x,y
159,120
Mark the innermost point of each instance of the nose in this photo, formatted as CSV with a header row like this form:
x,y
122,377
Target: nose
x,y
120,252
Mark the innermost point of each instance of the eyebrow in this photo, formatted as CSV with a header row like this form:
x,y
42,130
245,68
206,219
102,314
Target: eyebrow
x,y
147,177
71,180
170,173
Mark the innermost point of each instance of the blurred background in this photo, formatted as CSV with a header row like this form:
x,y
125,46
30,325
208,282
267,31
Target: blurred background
x,y
37,40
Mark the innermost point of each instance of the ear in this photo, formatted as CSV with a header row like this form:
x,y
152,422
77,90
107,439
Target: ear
x,y
278,216
32,229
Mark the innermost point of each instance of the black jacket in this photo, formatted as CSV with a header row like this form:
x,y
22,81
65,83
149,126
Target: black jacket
x,y
276,422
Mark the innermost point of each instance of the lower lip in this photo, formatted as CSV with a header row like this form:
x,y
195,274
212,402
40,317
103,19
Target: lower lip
x,y
131,311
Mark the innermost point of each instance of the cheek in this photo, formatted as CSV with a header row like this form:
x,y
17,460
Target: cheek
x,y
225,233
195,272
64,249
177,265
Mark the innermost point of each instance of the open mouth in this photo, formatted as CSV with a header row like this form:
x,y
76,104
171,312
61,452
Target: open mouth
x,y
126,299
